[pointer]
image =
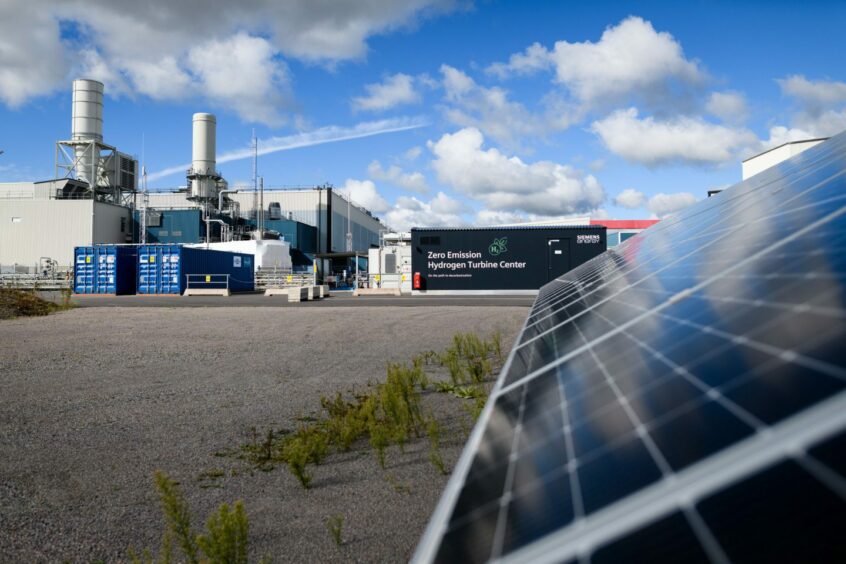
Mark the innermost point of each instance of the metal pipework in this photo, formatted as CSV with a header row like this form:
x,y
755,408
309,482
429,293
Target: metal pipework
x,y
222,229
220,198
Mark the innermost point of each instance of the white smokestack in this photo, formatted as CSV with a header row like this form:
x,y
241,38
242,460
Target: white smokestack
x,y
87,125
203,160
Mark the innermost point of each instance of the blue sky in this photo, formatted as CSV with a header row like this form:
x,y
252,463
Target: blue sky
x,y
432,111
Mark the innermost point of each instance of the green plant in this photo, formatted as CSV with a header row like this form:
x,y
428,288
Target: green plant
x,y
398,486
307,446
177,516
380,440
227,536
433,429
335,525
224,542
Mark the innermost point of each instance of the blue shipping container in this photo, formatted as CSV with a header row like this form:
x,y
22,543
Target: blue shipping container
x,y
166,269
105,269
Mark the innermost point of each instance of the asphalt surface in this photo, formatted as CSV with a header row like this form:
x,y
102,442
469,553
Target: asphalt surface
x,y
338,299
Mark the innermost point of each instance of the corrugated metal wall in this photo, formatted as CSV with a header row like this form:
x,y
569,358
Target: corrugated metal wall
x,y
30,229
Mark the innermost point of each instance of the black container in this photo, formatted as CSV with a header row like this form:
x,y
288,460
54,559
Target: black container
x,y
500,258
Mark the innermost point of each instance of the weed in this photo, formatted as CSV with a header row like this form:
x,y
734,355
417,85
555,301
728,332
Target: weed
x,y
380,440
20,303
227,535
433,429
398,486
335,525
474,410
177,515
307,446
225,540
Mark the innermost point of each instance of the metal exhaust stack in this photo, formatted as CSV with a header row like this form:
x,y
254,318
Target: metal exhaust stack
x,y
87,126
203,177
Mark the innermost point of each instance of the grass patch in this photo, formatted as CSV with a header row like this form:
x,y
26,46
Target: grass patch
x,y
335,525
20,303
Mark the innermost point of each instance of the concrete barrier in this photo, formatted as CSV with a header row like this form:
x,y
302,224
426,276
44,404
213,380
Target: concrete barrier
x,y
297,294
324,290
377,292
207,292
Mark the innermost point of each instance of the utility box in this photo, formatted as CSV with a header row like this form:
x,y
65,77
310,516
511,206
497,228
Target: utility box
x,y
390,267
105,269
167,269
490,260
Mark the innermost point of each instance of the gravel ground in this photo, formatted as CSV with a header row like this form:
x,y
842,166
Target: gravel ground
x,y
93,401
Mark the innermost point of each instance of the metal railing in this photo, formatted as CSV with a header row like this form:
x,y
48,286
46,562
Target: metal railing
x,y
282,278
207,281
35,277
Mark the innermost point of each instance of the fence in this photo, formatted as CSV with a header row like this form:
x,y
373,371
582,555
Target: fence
x,y
28,278
282,278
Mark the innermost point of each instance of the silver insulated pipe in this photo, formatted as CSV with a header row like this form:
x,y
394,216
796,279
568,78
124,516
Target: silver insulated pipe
x,y
203,156
87,126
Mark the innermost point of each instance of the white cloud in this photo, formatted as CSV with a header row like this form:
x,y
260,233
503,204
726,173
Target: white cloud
x,y
683,139
364,193
507,183
411,212
630,60
490,110
630,199
823,93
821,111
394,91
779,135
535,58
662,205
413,153
242,73
131,38
32,59
163,79
413,181
728,106
498,217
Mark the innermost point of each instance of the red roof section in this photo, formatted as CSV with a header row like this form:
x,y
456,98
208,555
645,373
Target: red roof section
x,y
624,223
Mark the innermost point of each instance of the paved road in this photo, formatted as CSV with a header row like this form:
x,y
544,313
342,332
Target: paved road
x,y
336,300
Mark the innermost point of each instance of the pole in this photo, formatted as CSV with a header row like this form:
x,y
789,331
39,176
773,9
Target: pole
x,y
261,207
349,225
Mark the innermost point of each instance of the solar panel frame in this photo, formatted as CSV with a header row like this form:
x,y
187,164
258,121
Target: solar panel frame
x,y
678,488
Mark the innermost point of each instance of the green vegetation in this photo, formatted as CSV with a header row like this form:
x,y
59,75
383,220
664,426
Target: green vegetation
x,y
335,525
224,542
387,413
21,303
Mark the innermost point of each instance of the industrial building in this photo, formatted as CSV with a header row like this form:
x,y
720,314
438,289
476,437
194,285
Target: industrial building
x,y
95,199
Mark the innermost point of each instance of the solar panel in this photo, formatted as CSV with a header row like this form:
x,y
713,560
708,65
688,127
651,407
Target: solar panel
x,y
682,397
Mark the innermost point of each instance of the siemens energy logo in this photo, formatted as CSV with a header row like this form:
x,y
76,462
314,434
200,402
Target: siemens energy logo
x,y
587,239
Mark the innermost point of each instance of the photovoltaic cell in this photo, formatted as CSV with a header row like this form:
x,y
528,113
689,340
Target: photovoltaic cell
x,y
682,397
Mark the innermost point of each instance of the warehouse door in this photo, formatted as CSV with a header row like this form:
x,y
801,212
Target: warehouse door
x,y
559,258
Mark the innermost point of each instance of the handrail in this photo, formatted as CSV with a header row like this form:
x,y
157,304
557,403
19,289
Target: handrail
x,y
207,281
